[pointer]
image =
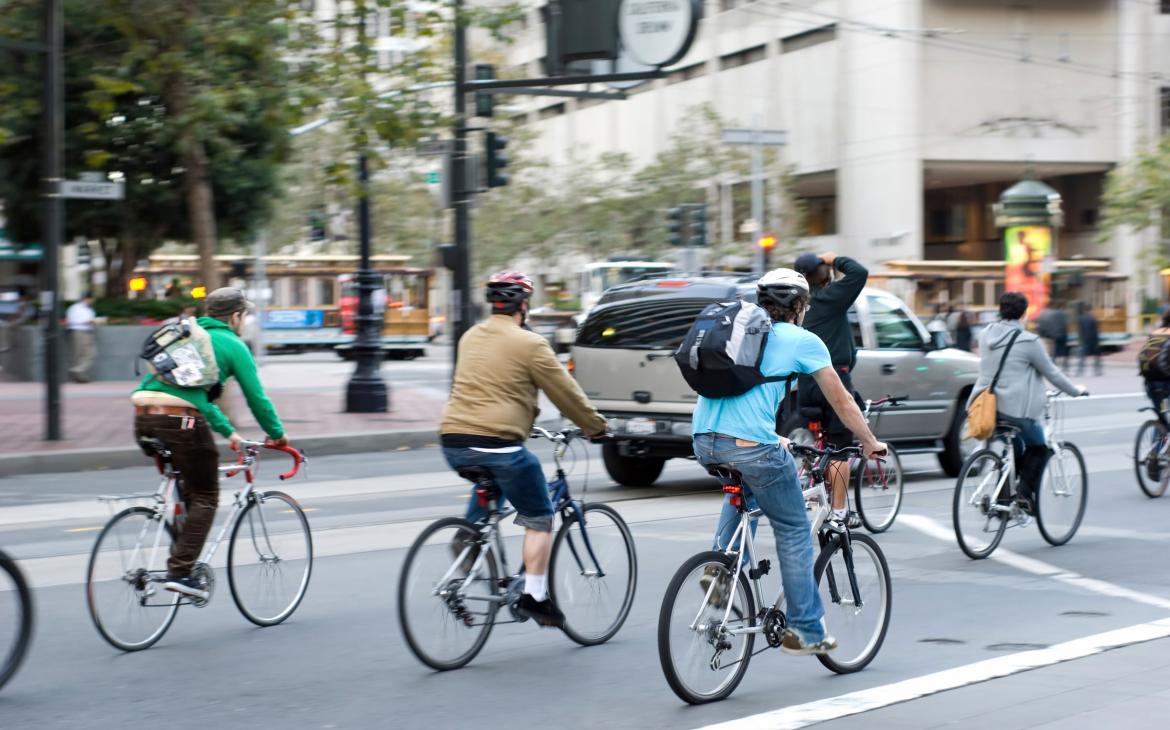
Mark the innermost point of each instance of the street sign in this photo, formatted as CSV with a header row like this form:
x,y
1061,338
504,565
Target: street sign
x,y
658,32
434,177
767,137
93,190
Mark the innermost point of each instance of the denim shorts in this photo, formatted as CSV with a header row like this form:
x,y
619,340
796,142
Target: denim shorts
x,y
519,476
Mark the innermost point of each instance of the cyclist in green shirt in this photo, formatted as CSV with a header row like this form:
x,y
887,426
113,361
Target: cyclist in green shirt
x,y
183,419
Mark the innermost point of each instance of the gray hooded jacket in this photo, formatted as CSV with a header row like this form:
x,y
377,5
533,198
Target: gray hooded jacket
x,y
1020,392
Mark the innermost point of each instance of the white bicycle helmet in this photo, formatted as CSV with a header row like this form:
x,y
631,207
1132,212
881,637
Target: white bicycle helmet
x,y
782,287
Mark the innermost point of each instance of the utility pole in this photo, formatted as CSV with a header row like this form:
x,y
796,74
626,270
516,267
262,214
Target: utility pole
x,y
462,309
366,391
53,211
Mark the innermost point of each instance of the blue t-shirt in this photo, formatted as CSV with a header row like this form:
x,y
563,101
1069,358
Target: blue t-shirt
x,y
752,415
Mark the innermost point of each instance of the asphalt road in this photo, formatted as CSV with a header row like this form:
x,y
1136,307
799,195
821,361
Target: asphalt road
x,y
340,661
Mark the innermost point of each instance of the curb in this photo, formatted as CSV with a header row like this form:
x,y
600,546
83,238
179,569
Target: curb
x,y
73,460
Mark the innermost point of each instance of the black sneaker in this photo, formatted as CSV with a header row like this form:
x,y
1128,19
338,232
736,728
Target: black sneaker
x,y
1025,503
187,586
543,612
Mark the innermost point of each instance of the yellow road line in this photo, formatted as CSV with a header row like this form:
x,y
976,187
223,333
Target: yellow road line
x,y
84,529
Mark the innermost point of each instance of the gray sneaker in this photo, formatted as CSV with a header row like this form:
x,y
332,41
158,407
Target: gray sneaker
x,y
791,643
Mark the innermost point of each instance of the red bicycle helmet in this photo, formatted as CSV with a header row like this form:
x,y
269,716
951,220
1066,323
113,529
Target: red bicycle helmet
x,y
507,290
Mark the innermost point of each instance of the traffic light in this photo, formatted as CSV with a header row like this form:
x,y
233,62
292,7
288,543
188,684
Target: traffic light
x,y
239,270
766,242
699,226
674,225
83,253
484,104
496,160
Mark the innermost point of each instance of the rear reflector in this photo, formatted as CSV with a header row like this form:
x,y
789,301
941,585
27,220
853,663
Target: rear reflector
x,y
673,283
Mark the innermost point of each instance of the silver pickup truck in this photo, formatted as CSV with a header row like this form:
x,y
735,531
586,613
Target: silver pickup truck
x,y
622,358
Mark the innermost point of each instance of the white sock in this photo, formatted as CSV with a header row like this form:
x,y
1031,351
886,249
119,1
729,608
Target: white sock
x,y
536,586
839,513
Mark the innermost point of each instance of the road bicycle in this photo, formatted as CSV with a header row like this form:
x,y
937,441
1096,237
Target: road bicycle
x,y
707,628
877,482
269,556
1151,454
456,578
983,507
16,617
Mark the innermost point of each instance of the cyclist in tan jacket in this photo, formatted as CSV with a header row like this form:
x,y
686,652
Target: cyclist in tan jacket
x,y
490,413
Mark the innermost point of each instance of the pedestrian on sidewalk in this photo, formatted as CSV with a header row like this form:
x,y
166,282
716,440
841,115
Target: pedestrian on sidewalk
x,y
1052,326
79,321
1088,329
183,419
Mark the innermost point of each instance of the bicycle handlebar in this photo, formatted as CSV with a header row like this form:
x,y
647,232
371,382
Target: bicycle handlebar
x,y
250,448
297,457
892,400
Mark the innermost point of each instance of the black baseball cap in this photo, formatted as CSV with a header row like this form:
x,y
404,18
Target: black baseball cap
x,y
807,263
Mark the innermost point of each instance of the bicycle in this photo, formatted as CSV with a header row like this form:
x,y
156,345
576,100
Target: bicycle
x,y
269,559
455,577
704,649
1151,454
876,482
983,507
16,617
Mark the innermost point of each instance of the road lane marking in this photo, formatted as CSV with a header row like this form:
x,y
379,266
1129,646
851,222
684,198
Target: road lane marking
x,y
84,529
931,528
303,509
866,700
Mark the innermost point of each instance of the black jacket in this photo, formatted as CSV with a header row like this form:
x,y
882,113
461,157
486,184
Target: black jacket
x,y
829,316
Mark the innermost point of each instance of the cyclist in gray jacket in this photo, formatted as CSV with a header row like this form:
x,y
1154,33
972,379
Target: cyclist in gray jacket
x,y
1020,393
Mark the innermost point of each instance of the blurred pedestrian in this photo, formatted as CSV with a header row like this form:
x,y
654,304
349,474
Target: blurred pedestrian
x,y
1052,326
1089,333
937,327
962,330
79,321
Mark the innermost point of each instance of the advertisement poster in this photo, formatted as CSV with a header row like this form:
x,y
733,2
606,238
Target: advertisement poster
x,y
1028,259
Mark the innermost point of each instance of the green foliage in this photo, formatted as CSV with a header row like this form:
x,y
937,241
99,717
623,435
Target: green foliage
x,y
136,310
1137,195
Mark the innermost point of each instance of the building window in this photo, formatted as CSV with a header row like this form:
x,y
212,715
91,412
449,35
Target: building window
x,y
743,58
300,292
552,111
1165,7
325,292
1165,110
808,38
686,74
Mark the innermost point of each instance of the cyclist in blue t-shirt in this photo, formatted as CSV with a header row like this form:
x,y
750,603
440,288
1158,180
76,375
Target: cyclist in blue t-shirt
x,y
741,431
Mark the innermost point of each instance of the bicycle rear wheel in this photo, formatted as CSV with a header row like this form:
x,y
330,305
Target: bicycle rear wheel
x,y
593,573
877,487
857,605
702,661
447,594
1064,491
979,526
16,617
123,588
270,558
1150,459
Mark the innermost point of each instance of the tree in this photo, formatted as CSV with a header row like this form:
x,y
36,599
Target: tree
x,y
1137,195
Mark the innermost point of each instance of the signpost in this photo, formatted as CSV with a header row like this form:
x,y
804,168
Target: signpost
x,y
758,138
658,32
87,190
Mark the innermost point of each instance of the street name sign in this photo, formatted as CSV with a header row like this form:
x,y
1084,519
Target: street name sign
x,y
87,190
767,137
658,32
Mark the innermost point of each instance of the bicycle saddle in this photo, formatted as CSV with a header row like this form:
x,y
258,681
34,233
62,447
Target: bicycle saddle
x,y
475,474
812,413
725,473
153,447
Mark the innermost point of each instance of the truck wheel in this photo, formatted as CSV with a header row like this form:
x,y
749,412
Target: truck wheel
x,y
956,449
631,471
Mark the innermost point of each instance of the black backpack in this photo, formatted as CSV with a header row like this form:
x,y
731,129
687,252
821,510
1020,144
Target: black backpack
x,y
720,355
1154,358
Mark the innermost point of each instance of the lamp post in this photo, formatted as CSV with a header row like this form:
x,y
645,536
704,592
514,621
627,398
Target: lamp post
x,y
366,392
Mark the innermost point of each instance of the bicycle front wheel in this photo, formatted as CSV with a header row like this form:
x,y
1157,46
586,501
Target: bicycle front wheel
x,y
593,573
270,558
1150,459
447,597
123,586
854,582
1064,491
703,644
978,518
16,617
878,489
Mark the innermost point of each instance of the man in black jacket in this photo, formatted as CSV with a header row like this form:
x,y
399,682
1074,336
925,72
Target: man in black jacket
x,y
828,318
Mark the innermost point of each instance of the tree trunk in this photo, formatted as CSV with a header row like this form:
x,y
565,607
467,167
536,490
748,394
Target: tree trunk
x,y
196,186
128,246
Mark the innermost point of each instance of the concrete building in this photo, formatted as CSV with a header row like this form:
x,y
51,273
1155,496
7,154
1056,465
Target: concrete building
x,y
907,118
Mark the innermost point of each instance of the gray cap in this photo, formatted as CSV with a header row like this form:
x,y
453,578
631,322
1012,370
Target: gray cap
x,y
226,301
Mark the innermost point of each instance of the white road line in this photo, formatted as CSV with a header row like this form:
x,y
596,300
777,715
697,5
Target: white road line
x,y
853,703
929,527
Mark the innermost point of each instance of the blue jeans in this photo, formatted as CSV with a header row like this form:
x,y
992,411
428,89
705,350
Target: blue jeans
x,y
769,472
519,476
1031,433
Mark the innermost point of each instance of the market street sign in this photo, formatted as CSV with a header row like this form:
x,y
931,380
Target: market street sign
x,y
658,32
93,190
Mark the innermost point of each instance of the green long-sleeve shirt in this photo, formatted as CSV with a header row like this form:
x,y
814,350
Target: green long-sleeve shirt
x,y
235,361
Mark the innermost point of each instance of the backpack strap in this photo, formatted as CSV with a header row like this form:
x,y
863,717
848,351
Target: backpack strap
x,y
1003,360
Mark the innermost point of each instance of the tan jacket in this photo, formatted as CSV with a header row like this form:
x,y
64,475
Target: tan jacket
x,y
494,394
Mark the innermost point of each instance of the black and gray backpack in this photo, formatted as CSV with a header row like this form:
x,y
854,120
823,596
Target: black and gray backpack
x,y
721,354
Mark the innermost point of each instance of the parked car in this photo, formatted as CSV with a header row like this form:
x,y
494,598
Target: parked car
x,y
623,359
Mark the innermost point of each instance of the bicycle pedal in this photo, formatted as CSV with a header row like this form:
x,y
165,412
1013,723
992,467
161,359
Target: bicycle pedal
x,y
756,573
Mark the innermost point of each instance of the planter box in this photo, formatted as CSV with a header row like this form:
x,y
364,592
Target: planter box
x,y
117,353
